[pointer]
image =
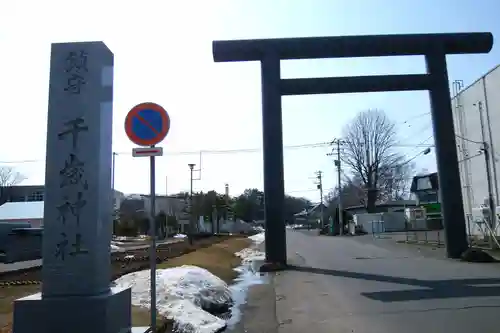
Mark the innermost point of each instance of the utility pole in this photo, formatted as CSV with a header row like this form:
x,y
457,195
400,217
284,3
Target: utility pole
x,y
339,177
319,176
487,159
113,171
337,162
191,217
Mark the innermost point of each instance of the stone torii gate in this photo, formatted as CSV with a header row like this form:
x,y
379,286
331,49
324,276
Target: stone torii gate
x,y
434,47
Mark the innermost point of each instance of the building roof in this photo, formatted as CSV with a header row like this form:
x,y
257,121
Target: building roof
x,y
21,210
311,210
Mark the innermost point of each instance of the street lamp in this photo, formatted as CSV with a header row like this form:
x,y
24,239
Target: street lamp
x,y
191,220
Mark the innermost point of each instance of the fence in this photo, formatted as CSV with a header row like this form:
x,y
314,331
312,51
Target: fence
x,y
22,245
376,223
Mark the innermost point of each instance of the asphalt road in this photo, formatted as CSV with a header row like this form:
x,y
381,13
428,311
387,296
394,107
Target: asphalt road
x,y
366,285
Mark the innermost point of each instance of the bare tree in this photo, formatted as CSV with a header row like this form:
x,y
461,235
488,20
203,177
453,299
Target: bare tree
x,y
395,181
369,142
8,177
353,193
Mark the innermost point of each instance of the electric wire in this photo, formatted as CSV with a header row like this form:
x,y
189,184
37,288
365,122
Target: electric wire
x,y
222,152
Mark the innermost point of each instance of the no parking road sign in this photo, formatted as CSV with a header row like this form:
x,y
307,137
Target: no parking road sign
x,y
147,124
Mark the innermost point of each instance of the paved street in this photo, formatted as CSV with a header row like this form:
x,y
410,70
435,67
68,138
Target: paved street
x,y
365,285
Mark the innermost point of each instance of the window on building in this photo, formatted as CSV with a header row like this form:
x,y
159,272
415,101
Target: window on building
x,y
424,183
427,197
36,196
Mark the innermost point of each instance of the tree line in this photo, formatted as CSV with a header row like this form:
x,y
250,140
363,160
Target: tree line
x,y
132,217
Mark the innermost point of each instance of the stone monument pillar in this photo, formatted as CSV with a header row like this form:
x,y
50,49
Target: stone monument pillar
x,y
76,295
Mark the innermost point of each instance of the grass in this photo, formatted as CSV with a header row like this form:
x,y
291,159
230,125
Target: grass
x,y
7,297
219,259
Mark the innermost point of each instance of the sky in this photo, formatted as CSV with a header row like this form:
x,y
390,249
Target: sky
x,y
163,54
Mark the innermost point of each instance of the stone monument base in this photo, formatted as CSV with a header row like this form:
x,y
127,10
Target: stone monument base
x,y
109,313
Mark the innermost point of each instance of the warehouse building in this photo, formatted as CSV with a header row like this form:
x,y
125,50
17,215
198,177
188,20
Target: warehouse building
x,y
476,111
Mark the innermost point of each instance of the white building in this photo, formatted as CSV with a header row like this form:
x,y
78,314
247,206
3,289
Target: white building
x,y
169,205
118,197
477,120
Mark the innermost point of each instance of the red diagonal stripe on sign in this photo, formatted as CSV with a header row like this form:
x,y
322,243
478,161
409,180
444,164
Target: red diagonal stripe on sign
x,y
147,124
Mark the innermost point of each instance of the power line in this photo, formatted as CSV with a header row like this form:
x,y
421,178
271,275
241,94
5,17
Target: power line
x,y
197,152
239,150
470,157
415,117
430,137
226,151
421,144
418,131
308,190
469,140
22,161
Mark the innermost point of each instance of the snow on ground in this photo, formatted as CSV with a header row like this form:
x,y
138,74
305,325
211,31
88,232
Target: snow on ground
x,y
258,238
248,276
182,292
114,247
250,254
180,236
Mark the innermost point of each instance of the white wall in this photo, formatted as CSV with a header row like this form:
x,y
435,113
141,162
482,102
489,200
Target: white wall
x,y
392,221
471,131
170,206
118,197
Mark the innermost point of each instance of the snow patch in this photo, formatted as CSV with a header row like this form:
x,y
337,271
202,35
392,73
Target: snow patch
x,y
258,238
248,276
249,255
183,292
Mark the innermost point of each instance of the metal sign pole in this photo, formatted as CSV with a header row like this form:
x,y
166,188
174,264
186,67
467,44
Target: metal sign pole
x,y
146,125
152,255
